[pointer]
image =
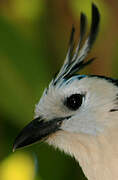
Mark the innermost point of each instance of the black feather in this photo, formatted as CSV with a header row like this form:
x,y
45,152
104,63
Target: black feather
x,y
82,33
94,25
75,60
71,44
79,66
78,63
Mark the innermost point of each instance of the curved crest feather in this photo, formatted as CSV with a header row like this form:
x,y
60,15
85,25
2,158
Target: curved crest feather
x,y
75,60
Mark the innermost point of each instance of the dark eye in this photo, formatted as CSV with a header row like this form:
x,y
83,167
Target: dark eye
x,y
74,101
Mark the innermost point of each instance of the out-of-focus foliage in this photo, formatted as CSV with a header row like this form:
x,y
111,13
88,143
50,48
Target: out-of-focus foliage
x,y
27,10
33,42
17,166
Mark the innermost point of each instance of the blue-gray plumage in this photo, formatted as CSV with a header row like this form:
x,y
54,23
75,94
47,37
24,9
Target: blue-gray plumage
x,y
79,113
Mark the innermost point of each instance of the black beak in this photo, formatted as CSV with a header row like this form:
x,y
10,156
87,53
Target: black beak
x,y
37,130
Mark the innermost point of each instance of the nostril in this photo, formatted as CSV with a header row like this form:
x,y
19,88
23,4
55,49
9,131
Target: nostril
x,y
59,123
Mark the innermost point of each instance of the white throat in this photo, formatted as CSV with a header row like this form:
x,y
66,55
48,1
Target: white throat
x,y
97,155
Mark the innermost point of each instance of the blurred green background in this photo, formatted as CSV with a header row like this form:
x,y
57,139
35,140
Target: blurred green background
x,y
33,43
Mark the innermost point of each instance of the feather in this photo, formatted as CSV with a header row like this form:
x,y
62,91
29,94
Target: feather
x,y
74,63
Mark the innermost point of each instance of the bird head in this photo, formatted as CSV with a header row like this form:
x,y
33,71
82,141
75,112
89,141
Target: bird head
x,y
73,104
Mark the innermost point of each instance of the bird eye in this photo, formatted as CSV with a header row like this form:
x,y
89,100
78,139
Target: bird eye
x,y
74,101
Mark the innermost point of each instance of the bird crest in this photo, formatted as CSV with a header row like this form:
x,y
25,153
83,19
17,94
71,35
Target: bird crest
x,y
74,60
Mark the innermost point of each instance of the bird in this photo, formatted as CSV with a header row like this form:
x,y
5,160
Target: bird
x,y
79,113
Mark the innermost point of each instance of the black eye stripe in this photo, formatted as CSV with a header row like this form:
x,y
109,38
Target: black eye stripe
x,y
74,101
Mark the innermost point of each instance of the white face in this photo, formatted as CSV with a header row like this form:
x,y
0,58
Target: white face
x,y
92,114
